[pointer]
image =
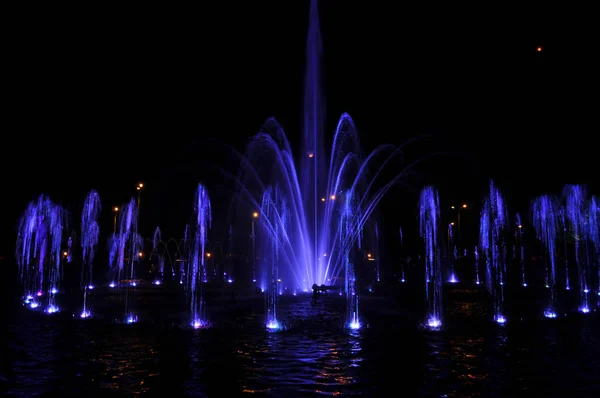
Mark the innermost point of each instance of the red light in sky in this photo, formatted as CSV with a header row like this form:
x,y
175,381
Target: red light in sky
x,y
539,49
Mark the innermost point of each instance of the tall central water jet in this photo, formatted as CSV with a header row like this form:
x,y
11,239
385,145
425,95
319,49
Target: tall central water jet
x,y
429,210
314,186
39,253
196,265
90,233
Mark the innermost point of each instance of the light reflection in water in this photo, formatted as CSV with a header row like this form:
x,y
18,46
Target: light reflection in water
x,y
315,355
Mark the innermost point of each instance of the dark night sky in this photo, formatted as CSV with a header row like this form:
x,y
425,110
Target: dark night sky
x,y
101,98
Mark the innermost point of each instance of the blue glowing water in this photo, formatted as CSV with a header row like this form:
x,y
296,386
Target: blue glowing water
x,y
581,221
402,273
124,249
274,208
315,185
546,224
196,273
90,233
156,239
39,255
429,211
452,278
519,248
492,230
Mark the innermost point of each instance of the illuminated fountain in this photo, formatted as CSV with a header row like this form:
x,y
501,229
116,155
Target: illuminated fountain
x,y
476,255
275,210
546,224
581,217
167,254
454,253
90,233
195,273
594,237
123,253
519,249
402,275
429,212
39,253
313,184
564,223
160,257
493,222
346,241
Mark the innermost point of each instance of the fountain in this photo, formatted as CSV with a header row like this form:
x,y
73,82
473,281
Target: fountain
x,y
275,209
429,211
314,186
545,221
167,253
519,248
476,260
563,223
493,222
402,265
582,218
123,252
594,236
195,272
39,254
90,232
160,257
350,215
454,256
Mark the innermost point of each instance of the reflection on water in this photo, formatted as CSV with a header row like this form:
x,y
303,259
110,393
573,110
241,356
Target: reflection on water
x,y
313,356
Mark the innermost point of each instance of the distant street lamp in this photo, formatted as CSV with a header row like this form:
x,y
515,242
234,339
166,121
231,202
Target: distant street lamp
x,y
116,211
139,188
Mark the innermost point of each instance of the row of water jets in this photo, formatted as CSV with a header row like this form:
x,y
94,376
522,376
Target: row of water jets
x,y
41,259
566,228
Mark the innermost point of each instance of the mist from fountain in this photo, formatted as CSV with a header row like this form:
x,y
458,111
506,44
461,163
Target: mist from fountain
x,y
195,273
429,212
90,233
546,223
493,222
38,253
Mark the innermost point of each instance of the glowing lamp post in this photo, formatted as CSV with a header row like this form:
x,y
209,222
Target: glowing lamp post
x,y
115,210
139,188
